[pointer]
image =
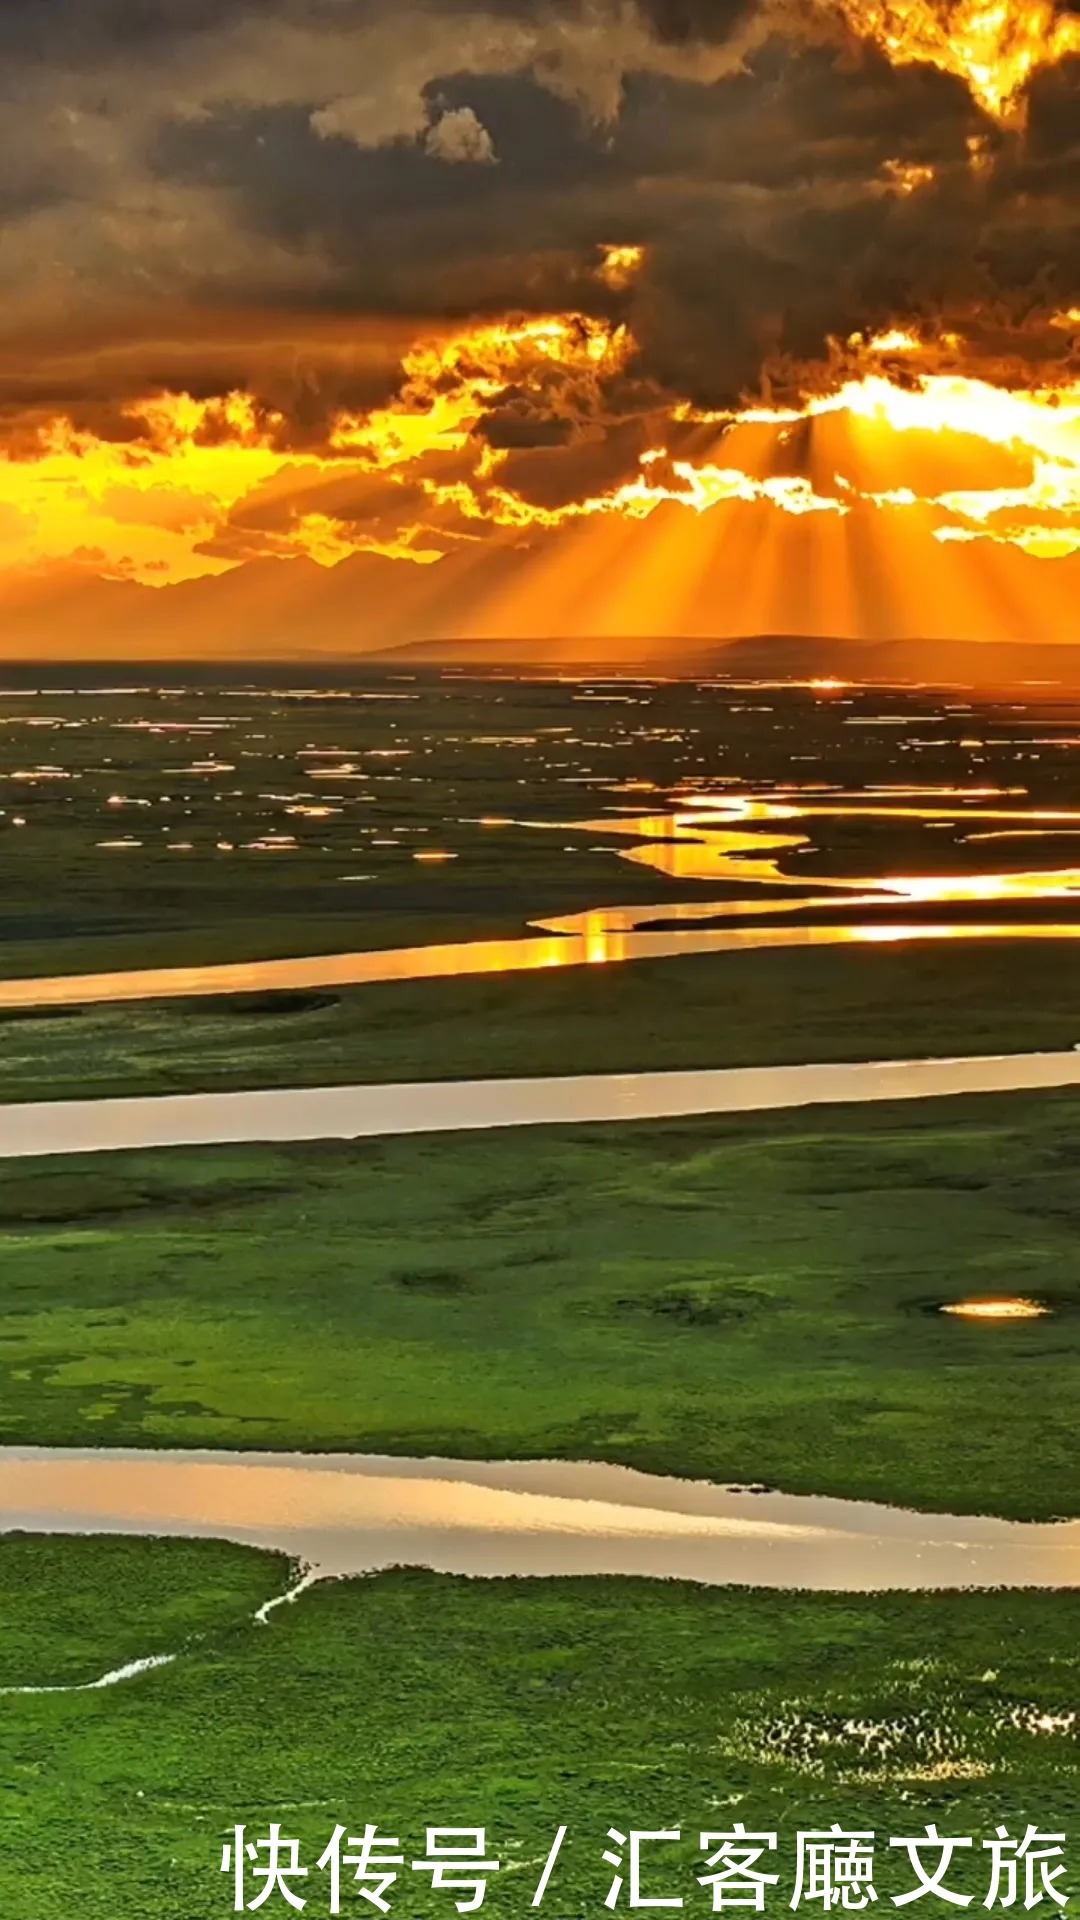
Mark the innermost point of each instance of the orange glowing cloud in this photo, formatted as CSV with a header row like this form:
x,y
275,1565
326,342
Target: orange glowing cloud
x,y
994,46
851,493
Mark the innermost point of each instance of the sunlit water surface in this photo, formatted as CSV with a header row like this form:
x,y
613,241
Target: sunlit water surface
x,y
348,1514
38,1128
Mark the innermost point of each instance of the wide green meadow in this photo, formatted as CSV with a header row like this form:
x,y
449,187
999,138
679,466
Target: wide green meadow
x,y
415,1700
752,1299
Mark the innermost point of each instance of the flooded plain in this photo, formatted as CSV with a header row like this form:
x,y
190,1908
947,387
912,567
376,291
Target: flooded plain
x,y
556,824
346,1514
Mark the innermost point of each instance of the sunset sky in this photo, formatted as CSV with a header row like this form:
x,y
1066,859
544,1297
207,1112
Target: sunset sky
x,y
329,324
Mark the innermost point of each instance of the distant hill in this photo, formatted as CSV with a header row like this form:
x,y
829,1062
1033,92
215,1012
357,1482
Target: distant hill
x,y
786,657
370,611
759,656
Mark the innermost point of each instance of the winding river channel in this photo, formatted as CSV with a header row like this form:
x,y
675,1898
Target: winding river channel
x,y
456,1106
589,940
342,1514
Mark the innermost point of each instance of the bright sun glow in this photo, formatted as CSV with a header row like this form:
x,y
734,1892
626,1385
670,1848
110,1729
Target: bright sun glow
x,y
879,481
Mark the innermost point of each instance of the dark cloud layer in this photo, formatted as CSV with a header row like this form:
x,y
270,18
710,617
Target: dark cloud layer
x,y
209,193
686,22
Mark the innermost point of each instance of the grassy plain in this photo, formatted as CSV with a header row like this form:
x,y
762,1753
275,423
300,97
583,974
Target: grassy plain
x,y
698,1011
414,1699
748,1299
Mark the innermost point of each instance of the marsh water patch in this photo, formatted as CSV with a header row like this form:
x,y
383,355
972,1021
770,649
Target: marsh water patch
x,y
1000,1309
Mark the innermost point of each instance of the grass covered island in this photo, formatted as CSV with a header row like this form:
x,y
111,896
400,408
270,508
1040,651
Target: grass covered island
x,y
748,1299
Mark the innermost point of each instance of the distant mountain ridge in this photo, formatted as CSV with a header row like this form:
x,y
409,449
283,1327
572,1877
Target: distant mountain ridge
x,y
764,656
782,657
369,605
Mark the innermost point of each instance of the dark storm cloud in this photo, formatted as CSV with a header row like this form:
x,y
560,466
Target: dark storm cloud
x,y
303,368
769,221
275,170
1054,120
553,477
508,430
686,22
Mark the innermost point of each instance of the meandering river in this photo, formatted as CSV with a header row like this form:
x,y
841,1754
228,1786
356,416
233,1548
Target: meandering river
x,y
598,940
344,1514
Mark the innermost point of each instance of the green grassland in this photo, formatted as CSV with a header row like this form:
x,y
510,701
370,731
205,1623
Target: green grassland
x,y
413,1700
749,1299
704,1010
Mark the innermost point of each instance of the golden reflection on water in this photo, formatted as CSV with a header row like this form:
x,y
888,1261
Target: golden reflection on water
x,y
1014,1309
710,841
745,840
602,944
